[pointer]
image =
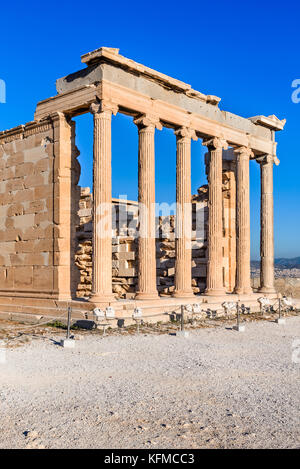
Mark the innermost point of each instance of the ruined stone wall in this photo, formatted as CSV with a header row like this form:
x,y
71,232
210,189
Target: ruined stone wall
x,y
26,209
124,244
38,207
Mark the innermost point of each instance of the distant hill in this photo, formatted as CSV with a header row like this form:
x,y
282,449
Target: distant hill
x,y
293,263
282,263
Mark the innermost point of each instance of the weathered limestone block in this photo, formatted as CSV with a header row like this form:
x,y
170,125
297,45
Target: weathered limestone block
x,y
42,278
26,156
6,277
125,255
23,277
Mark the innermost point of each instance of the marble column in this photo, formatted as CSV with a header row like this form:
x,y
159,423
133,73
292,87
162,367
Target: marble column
x,y
183,248
215,283
243,276
102,203
147,288
266,226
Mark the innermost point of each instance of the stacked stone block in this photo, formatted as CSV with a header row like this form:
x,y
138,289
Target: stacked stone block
x,y
26,209
125,252
39,200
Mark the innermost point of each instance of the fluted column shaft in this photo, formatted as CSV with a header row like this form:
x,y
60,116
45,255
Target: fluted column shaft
x,y
146,288
267,226
183,261
215,283
243,278
102,208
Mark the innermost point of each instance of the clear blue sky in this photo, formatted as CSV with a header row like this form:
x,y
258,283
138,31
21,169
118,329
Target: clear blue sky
x,y
245,52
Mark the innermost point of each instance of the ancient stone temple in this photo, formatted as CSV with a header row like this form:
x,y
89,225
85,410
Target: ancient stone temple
x,y
59,243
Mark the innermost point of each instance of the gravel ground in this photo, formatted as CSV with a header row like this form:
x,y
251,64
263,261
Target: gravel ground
x,y
216,389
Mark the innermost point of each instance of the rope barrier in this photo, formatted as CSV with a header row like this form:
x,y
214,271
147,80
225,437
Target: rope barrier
x,y
64,315
117,318
32,326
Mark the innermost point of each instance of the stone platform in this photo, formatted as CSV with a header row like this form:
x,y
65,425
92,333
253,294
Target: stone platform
x,y
39,309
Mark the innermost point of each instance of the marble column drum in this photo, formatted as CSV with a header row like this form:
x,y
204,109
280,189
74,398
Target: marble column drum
x,y
215,284
102,203
146,288
243,272
183,260
267,226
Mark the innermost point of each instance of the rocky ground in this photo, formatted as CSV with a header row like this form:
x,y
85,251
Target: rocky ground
x,y
216,389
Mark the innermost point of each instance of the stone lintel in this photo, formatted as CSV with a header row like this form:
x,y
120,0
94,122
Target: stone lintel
x,y
173,111
73,102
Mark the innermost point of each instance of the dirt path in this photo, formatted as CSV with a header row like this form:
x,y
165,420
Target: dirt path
x,y
216,389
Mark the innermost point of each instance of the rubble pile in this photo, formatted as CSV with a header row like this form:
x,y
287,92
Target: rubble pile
x,y
125,247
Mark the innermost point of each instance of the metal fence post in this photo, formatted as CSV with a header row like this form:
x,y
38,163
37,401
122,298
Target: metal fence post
x,y
182,319
69,321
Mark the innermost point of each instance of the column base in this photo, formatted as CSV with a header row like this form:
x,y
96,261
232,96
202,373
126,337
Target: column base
x,y
267,290
243,291
215,292
146,296
183,294
105,298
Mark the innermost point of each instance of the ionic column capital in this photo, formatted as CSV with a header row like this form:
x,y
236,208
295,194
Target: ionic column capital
x,y
149,122
103,106
186,133
268,159
243,152
215,143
